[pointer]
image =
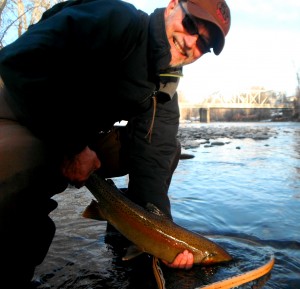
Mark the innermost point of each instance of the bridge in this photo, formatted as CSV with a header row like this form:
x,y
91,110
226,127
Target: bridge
x,y
254,98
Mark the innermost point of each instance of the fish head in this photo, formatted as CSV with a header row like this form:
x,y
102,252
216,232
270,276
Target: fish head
x,y
215,256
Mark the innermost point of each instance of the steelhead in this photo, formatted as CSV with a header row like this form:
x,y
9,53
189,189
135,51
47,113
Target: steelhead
x,y
151,232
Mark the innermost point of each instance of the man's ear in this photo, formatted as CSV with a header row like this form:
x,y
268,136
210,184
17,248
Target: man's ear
x,y
172,4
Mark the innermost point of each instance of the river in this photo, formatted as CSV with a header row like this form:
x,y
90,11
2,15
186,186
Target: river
x,y
247,186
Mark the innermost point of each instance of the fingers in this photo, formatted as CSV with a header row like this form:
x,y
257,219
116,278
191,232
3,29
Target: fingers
x,y
79,167
184,260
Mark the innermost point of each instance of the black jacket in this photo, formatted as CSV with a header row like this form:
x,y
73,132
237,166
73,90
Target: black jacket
x,y
87,64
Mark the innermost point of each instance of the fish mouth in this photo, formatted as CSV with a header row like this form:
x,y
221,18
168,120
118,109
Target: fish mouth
x,y
214,257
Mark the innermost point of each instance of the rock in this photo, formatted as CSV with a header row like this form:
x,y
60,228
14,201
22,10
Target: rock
x,y
192,136
191,144
217,143
185,156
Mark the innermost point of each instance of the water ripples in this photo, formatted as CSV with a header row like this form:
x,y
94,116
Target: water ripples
x,y
237,196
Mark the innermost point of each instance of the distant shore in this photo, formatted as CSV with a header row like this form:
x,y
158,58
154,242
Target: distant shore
x,y
193,134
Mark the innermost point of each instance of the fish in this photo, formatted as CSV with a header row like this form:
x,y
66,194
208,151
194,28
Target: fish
x,y
150,230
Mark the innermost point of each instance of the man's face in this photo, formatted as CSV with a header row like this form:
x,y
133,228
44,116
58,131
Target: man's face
x,y
184,47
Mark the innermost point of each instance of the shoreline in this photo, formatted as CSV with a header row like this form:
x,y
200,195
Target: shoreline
x,y
194,134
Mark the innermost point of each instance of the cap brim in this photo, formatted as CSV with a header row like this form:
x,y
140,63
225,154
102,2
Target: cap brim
x,y
219,42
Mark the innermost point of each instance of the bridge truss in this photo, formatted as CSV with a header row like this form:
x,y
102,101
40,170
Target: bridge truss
x,y
253,98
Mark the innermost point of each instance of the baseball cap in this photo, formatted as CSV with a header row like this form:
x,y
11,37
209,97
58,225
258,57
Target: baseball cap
x,y
216,12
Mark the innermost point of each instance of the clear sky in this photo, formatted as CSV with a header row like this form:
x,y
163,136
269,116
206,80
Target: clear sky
x,y
262,49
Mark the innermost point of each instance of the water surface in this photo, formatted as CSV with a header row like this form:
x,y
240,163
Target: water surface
x,y
247,189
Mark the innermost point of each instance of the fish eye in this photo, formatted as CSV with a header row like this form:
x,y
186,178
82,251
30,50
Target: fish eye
x,y
210,255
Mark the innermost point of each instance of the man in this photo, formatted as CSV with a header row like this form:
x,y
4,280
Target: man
x,y
84,66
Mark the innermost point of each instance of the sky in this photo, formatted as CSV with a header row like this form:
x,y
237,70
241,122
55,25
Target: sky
x,y
262,49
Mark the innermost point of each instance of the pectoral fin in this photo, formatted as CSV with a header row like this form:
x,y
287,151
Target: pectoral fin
x,y
132,252
93,211
154,210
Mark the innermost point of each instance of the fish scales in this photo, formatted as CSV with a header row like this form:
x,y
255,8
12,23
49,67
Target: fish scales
x,y
152,233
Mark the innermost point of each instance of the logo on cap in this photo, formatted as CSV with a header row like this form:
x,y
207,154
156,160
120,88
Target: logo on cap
x,y
223,12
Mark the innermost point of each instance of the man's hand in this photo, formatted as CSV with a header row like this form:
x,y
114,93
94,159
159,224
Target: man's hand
x,y
78,168
184,260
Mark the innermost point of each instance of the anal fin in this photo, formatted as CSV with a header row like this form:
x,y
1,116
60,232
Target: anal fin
x,y
132,252
93,211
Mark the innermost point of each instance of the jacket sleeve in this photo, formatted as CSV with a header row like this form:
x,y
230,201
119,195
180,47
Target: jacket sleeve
x,y
57,71
152,162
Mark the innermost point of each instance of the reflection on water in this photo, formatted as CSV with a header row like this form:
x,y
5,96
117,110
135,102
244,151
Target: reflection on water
x,y
252,193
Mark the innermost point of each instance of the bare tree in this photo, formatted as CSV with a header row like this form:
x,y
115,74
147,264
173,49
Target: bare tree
x,y
40,7
17,15
22,17
2,6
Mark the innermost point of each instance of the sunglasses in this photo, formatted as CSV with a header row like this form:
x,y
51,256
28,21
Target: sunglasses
x,y
191,27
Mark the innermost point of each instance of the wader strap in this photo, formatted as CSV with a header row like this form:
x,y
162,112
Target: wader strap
x,y
149,133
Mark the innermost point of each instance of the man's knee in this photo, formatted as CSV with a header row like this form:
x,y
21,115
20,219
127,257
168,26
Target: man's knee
x,y
26,235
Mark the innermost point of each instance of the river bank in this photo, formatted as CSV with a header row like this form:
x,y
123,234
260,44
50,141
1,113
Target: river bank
x,y
193,134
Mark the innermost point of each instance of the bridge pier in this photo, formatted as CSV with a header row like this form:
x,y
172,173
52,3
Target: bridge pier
x,y
204,114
